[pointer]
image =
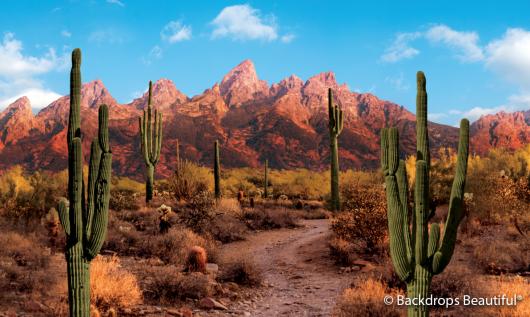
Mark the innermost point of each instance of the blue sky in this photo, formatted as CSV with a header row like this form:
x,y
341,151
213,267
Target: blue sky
x,y
476,54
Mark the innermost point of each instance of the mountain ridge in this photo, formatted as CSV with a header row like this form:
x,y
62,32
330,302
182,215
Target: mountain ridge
x,y
285,122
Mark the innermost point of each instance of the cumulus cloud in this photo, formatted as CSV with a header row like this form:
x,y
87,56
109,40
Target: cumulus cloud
x,y
464,43
400,48
19,72
66,33
510,57
175,31
242,22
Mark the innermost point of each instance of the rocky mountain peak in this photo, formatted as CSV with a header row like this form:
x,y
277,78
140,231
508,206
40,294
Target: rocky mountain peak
x,y
242,84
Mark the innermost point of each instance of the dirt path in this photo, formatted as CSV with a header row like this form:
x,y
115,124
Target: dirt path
x,y
300,278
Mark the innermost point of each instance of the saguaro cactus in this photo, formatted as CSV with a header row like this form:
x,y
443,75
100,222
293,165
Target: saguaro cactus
x,y
217,170
336,123
84,219
151,140
418,253
266,180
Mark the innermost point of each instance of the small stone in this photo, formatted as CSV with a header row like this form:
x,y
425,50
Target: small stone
x,y
174,312
210,303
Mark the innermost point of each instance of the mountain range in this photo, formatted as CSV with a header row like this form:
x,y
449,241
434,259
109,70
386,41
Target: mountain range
x,y
285,123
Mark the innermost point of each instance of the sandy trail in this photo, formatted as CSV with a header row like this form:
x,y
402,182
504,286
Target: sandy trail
x,y
301,278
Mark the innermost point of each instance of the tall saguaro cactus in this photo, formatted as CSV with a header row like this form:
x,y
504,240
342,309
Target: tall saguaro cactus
x,y
217,170
84,219
266,180
336,123
418,253
151,140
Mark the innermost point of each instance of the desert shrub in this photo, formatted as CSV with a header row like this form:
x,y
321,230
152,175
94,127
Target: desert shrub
x,y
199,212
241,271
366,300
342,251
228,206
123,199
173,246
24,264
29,196
364,220
226,228
267,218
300,183
189,180
167,285
496,256
111,285
126,184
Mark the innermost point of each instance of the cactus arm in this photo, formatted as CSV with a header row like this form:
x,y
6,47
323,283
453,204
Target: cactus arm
x,y
340,121
399,249
422,211
62,210
95,154
403,188
445,252
100,219
103,128
434,238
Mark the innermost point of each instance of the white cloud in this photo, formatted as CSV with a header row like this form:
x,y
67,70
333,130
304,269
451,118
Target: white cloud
x,y
465,43
242,22
109,36
437,116
510,57
18,73
117,2
66,33
175,31
155,53
287,38
398,82
400,48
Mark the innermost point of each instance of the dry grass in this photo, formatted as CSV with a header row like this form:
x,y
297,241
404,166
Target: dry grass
x,y
167,285
23,264
228,206
241,271
111,285
366,300
509,286
342,251
498,255
173,246
261,218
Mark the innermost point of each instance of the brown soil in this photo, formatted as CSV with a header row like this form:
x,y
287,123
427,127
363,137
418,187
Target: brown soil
x,y
299,276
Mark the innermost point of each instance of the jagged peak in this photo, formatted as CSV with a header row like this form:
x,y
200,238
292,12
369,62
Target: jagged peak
x,y
242,84
22,103
325,78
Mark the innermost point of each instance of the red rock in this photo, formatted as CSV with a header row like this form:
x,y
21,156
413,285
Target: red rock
x,y
286,123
